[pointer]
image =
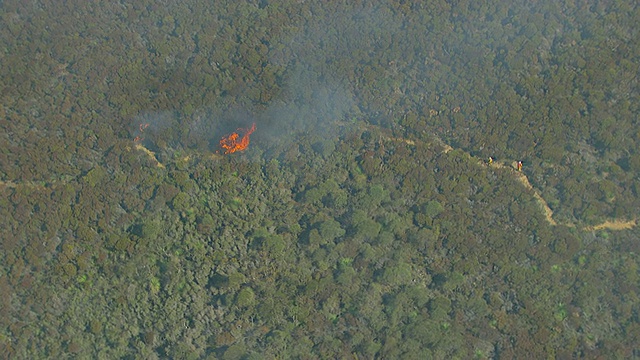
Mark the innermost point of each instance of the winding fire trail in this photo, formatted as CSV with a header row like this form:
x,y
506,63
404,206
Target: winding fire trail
x,y
232,143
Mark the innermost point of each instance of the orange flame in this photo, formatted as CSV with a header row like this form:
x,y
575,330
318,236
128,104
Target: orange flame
x,y
139,137
231,143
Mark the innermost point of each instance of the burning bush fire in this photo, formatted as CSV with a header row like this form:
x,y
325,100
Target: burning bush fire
x,y
232,143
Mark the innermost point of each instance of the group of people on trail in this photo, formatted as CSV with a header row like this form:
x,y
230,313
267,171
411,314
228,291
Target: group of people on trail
x,y
518,164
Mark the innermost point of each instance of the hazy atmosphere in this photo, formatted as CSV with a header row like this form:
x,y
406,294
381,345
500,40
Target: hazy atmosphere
x,y
319,179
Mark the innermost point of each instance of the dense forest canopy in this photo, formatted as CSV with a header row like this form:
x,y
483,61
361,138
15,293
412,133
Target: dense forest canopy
x,y
376,211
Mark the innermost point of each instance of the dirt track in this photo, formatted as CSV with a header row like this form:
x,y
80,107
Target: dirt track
x,y
614,224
